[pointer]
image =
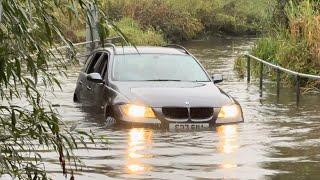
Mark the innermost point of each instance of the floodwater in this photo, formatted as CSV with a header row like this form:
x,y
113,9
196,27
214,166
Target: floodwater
x,y
277,139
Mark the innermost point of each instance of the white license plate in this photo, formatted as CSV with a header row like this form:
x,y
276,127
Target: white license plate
x,y
187,126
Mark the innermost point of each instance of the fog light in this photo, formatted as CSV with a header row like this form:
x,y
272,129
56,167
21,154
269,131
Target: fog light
x,y
230,111
137,111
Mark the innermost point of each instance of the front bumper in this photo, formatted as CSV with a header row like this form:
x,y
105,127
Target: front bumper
x,y
161,120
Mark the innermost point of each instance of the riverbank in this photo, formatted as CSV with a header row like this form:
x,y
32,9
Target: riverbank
x,y
292,44
180,20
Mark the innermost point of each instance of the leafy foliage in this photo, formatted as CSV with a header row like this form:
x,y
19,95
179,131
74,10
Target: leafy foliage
x,y
28,70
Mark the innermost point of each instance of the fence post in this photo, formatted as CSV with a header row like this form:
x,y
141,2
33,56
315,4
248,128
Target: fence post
x,y
261,78
248,69
68,53
279,70
298,89
278,83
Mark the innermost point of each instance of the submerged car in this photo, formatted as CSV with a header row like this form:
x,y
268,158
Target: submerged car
x,y
162,86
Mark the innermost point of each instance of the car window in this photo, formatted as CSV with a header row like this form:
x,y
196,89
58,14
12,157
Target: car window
x,y
105,67
87,63
155,67
100,66
97,68
93,62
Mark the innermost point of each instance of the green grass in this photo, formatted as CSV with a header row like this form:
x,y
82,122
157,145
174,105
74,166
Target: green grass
x,y
136,35
295,47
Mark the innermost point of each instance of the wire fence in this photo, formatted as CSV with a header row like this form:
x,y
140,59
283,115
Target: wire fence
x,y
82,49
278,69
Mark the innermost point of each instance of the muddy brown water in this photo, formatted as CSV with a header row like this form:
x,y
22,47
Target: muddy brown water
x,y
277,140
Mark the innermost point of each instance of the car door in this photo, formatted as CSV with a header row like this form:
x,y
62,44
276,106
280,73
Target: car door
x,y
86,90
98,89
80,91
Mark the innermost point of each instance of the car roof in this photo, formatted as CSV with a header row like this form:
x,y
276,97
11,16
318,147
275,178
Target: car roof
x,y
145,50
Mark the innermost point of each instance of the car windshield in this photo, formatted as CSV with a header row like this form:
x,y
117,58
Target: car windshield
x,y
157,67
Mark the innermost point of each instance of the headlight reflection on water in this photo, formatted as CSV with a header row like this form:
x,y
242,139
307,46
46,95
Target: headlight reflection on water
x,y
228,138
228,145
136,168
140,140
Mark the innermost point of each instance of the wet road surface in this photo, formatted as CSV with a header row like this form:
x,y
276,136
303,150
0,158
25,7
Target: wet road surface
x,y
277,140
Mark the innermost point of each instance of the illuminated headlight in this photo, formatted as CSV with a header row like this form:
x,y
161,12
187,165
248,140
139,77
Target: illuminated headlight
x,y
230,112
137,111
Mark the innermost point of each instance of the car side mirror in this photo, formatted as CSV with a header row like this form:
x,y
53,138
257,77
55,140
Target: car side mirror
x,y
95,77
217,78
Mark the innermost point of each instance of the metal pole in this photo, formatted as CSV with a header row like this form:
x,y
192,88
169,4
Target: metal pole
x,y
298,89
91,27
278,83
69,53
261,78
1,10
248,69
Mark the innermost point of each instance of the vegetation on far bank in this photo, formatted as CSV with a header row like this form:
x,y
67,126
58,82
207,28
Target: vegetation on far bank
x,y
180,20
289,30
293,40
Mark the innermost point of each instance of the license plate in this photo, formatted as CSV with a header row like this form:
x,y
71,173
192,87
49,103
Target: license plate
x,y
188,126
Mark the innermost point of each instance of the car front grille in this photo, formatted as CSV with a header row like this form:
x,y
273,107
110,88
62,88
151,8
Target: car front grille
x,y
183,112
175,112
201,113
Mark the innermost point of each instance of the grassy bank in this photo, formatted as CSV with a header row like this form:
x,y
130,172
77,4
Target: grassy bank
x,y
181,20
295,44
136,35
178,20
132,29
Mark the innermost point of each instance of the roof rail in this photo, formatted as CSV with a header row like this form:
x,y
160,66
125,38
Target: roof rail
x,y
111,45
178,47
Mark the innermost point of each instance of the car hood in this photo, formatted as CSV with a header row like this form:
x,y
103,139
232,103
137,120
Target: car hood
x,y
174,94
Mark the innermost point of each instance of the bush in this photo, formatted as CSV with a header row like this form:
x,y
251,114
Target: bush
x,y
136,35
181,20
174,24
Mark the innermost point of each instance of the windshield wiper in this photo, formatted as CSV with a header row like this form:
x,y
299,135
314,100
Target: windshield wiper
x,y
163,80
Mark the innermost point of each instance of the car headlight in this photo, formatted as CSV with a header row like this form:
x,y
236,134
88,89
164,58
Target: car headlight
x,y
137,111
229,111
